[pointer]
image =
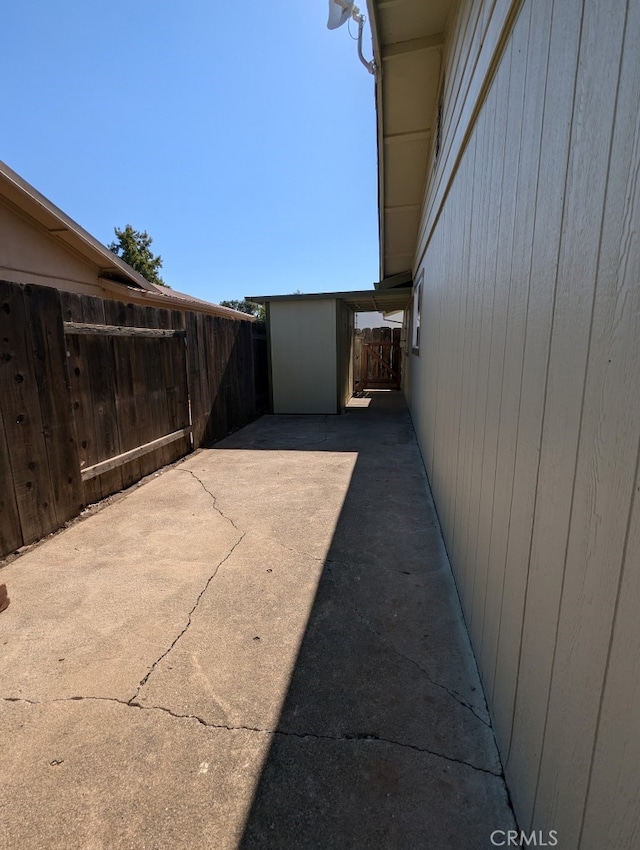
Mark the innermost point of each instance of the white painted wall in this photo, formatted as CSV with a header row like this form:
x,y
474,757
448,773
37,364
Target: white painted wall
x,y
526,394
304,367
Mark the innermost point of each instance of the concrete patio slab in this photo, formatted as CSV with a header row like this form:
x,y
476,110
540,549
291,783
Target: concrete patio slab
x,y
98,774
260,647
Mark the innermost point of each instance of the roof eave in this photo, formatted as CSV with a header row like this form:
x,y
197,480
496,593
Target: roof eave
x,y
359,300
377,59
408,43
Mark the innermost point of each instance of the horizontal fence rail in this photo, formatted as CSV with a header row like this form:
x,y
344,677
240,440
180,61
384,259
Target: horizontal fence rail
x,y
84,329
96,394
132,454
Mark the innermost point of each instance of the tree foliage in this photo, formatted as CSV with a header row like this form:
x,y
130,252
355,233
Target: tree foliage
x,y
245,306
134,247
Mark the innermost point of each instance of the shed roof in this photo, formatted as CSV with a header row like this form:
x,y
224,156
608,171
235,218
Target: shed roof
x,y
360,300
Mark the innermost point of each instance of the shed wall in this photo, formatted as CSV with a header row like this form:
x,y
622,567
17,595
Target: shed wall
x,y
526,393
345,323
304,365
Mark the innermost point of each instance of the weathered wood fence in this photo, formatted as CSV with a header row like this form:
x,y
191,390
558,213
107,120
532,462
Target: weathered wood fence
x,y
95,394
377,359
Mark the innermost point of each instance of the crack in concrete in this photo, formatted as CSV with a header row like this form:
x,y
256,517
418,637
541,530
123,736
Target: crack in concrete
x,y
132,702
22,699
242,534
213,497
457,697
299,552
315,442
453,694
354,736
145,679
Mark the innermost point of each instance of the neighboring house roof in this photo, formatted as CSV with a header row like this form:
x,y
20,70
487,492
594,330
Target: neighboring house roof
x,y
112,270
181,299
408,41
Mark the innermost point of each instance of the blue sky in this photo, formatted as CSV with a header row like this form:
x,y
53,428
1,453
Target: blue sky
x,y
240,136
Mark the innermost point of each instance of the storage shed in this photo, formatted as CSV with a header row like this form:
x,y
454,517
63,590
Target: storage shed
x,y
310,345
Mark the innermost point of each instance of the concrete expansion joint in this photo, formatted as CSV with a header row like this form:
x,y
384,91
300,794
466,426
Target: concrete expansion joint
x,y
214,498
457,697
183,631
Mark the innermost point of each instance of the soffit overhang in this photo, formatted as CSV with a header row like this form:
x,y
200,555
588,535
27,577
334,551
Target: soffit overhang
x,y
408,44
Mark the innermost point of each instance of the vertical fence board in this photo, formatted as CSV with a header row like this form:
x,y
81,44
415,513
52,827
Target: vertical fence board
x,y
51,375
193,372
10,531
248,392
213,348
141,366
101,367
127,415
230,378
206,376
152,380
172,356
79,382
23,419
260,367
180,378
215,354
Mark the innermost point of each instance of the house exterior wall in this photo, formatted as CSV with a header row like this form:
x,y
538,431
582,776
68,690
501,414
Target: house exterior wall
x,y
304,369
28,254
526,393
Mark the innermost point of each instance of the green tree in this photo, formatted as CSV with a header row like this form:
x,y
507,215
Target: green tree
x,y
245,306
133,246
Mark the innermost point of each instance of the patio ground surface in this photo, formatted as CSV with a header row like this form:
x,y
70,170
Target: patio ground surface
x,y
260,647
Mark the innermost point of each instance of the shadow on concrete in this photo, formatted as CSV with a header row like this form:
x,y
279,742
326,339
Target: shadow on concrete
x,y
383,739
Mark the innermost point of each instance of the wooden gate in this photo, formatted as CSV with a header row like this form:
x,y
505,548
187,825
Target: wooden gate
x,y
377,359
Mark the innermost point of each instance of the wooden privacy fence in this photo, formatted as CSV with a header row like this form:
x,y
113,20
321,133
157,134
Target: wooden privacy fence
x,y
377,358
95,394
